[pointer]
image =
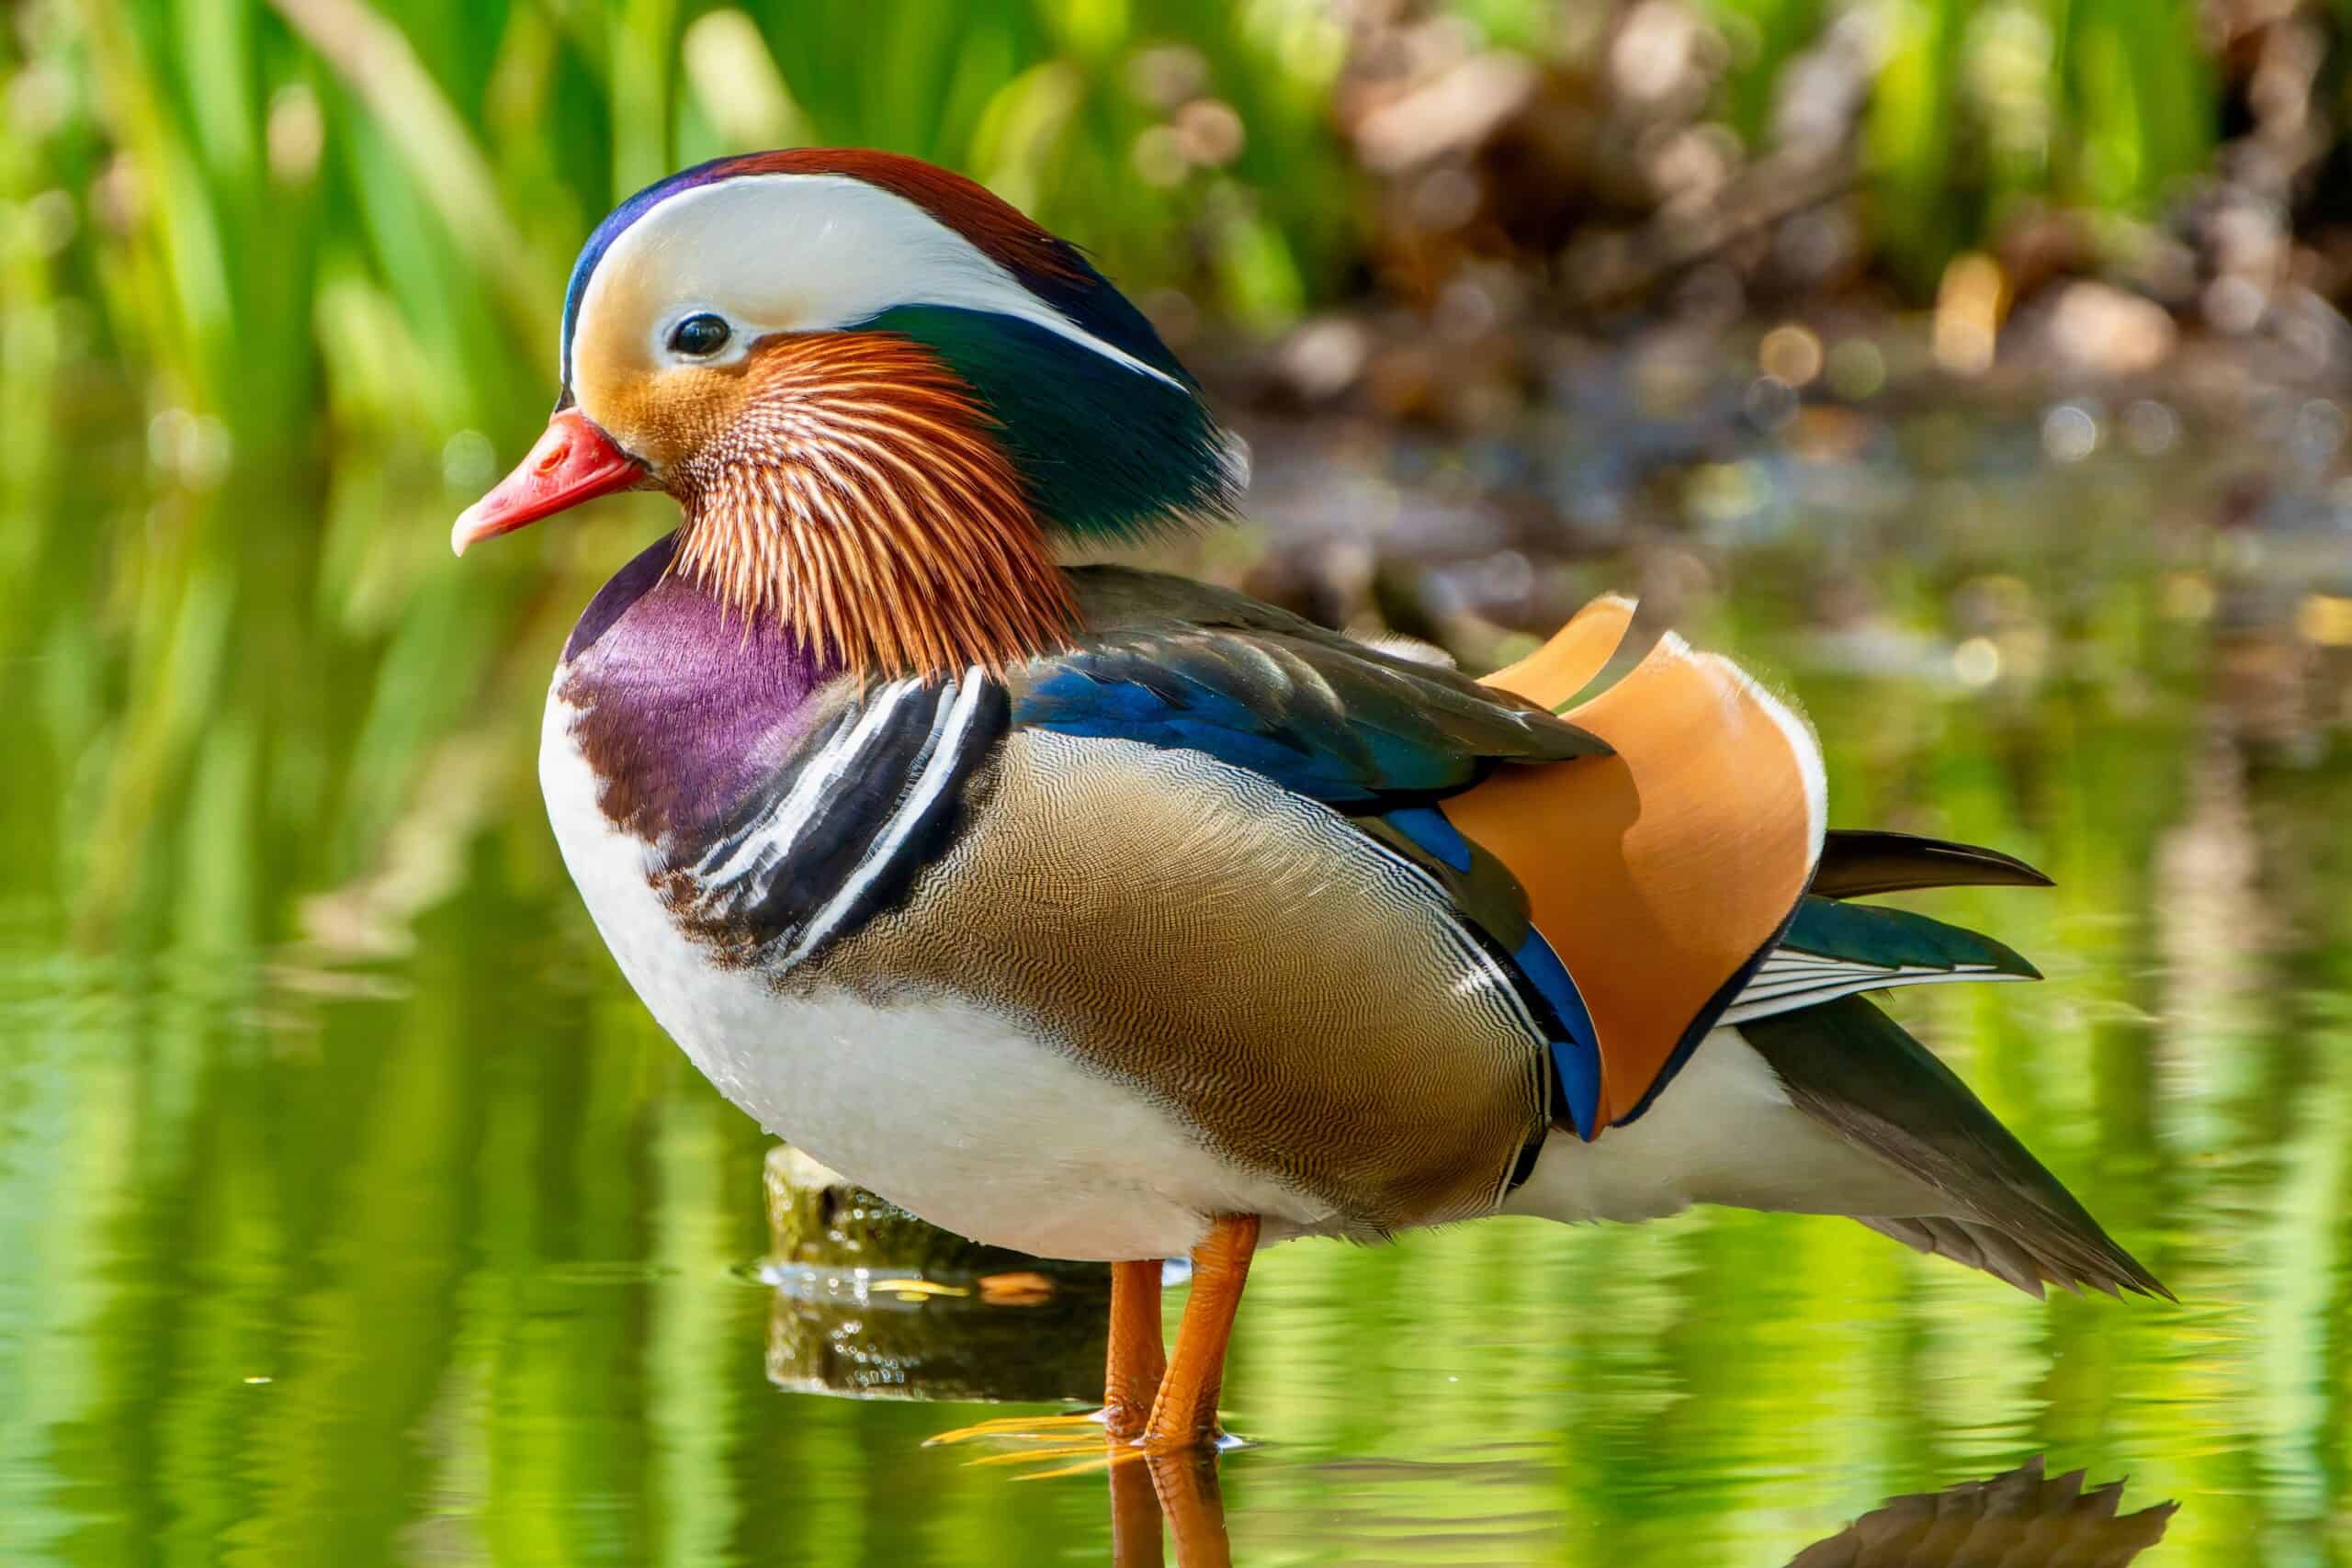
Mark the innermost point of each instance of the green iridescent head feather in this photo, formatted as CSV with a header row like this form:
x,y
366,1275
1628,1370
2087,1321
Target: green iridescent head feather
x,y
1106,451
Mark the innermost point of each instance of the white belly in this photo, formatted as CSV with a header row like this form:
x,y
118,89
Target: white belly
x,y
1724,1131
939,1105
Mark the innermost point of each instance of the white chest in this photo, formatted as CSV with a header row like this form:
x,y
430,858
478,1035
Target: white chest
x,y
940,1105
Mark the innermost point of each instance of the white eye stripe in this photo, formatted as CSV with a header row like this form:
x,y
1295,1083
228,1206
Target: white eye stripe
x,y
806,253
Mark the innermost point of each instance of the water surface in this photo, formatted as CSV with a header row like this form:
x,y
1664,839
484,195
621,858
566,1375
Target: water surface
x,y
367,1219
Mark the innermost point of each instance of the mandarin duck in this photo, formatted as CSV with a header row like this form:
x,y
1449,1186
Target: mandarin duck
x,y
1105,915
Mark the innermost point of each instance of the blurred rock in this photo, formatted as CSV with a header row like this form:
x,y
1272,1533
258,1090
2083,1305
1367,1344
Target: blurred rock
x,y
2098,330
1455,112
873,1303
817,1216
877,1345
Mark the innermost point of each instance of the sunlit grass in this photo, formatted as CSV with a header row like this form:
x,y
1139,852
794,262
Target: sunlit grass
x,y
1981,111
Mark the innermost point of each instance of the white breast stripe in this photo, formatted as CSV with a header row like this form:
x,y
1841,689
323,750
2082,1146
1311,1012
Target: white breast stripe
x,y
951,727
772,836
919,1098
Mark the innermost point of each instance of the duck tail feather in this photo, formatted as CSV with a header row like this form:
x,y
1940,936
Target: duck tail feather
x,y
1849,1065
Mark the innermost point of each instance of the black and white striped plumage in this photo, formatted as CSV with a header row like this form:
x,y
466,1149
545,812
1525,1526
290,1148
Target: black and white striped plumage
x,y
872,797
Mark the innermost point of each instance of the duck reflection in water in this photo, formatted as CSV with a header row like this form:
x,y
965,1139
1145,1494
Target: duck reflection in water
x,y
942,1320
2021,1518
1181,1491
954,1333
955,1344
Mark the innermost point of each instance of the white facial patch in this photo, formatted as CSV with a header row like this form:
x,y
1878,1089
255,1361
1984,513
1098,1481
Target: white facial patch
x,y
786,253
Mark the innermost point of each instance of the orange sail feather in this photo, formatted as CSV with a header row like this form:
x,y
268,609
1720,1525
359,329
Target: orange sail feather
x,y
1659,874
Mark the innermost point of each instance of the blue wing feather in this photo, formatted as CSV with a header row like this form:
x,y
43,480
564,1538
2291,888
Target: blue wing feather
x,y
1367,734
1434,831
1319,715
1575,1048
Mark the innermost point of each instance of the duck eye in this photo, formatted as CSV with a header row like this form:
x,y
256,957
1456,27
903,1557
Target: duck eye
x,y
698,335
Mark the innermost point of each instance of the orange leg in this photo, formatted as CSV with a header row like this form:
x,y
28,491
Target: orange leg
x,y
1130,1379
1185,1415
1137,1358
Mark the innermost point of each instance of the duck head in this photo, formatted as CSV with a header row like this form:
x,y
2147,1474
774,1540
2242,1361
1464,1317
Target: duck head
x,y
878,393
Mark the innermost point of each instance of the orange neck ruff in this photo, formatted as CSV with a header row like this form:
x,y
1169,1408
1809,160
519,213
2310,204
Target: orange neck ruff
x,y
855,493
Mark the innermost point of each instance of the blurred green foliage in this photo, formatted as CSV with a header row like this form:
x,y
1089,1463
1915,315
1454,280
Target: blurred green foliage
x,y
418,186
273,272
314,220
1978,108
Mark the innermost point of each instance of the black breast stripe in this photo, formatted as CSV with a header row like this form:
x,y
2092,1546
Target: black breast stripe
x,y
842,831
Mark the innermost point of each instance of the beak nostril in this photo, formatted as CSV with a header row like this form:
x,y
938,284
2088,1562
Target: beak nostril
x,y
572,462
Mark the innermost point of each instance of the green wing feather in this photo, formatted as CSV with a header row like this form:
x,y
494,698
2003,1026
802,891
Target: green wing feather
x,y
1833,949
1896,939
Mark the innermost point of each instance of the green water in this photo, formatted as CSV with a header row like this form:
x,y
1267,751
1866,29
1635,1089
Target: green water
x,y
367,1219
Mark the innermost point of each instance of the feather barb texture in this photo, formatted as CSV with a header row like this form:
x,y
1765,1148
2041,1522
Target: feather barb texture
x,y
855,490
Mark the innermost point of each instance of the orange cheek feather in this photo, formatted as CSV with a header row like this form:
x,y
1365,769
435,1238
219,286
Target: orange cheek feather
x,y
1657,873
666,417
849,484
